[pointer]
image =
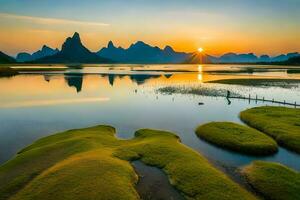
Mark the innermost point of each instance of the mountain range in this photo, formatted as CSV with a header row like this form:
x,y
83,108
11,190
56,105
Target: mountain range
x,y
141,52
45,51
250,58
73,51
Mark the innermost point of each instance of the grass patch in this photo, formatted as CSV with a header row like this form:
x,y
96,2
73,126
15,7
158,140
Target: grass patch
x,y
196,90
279,122
273,180
7,72
293,71
12,71
237,138
39,69
259,82
92,163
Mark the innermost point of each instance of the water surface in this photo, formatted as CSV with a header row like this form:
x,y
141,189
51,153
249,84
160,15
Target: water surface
x,y
124,96
154,184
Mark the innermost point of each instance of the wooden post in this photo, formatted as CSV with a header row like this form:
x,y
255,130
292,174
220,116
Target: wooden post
x,y
228,94
284,102
272,100
263,99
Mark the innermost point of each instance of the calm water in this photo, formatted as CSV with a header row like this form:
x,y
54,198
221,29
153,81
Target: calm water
x,y
154,184
35,105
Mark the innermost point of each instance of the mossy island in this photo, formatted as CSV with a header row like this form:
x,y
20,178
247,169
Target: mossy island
x,y
237,138
281,123
273,180
92,163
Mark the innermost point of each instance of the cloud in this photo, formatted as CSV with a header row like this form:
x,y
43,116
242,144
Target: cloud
x,y
53,21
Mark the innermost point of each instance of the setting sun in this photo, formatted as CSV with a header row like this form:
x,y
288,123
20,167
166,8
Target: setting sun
x,y
200,49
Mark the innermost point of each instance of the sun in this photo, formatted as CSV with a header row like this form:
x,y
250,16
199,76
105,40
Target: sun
x,y
200,49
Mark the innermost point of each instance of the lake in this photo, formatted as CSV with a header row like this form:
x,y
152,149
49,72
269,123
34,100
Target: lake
x,y
34,105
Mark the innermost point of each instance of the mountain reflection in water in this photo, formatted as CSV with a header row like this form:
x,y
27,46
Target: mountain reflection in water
x,y
76,79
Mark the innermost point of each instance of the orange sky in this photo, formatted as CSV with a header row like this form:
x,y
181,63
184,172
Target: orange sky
x,y
218,28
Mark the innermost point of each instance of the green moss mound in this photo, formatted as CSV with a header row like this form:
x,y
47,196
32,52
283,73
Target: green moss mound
x,y
283,124
273,180
75,164
237,138
92,163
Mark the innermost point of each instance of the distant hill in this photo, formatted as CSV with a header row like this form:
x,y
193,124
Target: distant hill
x,y
44,52
141,52
240,58
292,61
73,51
251,58
6,58
284,57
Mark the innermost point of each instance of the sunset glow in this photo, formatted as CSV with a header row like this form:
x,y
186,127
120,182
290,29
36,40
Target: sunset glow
x,y
224,26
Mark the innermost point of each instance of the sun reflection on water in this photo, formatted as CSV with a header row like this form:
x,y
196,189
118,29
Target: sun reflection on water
x,y
200,77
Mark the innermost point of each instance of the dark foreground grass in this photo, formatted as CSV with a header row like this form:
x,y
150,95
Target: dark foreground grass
x,y
293,71
281,123
273,180
92,163
7,72
237,138
40,69
260,82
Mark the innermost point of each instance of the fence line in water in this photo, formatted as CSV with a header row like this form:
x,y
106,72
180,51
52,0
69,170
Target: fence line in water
x,y
256,99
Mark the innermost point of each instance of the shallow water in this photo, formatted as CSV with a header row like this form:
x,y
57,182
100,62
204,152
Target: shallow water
x,y
153,183
34,105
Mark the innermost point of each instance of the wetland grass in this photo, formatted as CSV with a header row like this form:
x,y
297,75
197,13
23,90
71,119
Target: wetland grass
x,y
92,163
273,180
237,138
281,123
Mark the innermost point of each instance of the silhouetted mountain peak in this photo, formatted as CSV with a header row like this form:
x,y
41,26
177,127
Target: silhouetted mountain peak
x,y
168,49
230,54
73,43
73,51
43,52
110,45
140,52
139,44
46,48
76,36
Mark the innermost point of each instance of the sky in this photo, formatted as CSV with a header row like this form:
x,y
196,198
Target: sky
x,y
219,26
